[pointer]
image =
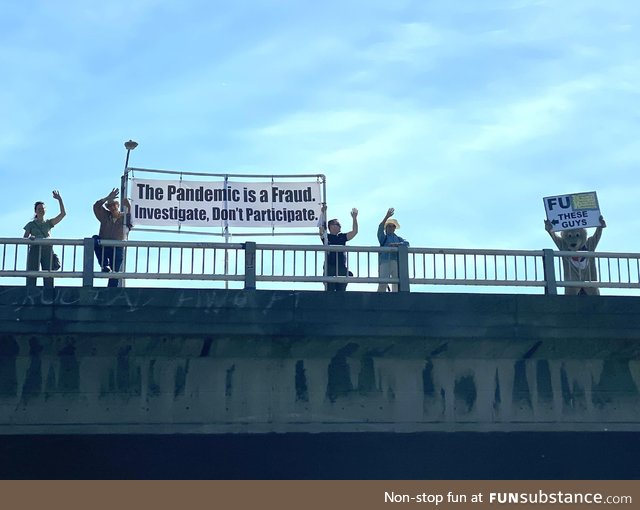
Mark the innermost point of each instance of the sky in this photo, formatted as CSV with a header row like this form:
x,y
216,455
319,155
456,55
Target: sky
x,y
462,115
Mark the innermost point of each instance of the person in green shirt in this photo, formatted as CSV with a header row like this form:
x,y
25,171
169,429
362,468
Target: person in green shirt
x,y
40,256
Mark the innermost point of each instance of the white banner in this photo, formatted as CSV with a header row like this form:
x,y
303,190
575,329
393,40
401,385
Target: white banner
x,y
234,204
578,210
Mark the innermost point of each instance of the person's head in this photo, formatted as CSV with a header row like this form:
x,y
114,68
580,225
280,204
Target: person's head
x,y
575,238
113,206
334,226
39,209
391,226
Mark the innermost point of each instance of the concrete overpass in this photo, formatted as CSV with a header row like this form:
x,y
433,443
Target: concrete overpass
x,y
532,377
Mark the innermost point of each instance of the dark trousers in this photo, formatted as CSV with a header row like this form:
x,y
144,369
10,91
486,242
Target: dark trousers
x,y
333,270
108,256
37,257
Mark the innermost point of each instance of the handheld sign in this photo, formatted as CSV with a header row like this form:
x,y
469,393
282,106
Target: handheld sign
x,y
578,210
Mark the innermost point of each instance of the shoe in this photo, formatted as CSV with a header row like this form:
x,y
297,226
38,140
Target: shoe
x,y
106,269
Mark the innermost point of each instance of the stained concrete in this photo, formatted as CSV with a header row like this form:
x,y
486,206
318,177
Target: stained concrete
x,y
167,361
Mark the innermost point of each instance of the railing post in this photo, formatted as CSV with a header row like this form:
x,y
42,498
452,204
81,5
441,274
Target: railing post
x,y
403,268
249,265
87,262
549,272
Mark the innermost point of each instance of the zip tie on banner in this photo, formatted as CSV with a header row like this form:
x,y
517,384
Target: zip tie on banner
x,y
273,226
225,224
179,222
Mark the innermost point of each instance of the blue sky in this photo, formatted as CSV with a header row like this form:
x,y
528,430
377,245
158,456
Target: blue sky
x,y
462,115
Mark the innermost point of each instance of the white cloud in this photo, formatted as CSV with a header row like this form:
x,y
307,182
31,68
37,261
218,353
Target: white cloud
x,y
521,121
406,42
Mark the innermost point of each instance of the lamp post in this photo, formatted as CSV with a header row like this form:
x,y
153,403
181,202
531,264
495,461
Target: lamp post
x,y
130,145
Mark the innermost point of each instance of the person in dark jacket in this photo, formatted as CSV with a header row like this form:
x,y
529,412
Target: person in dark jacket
x,y
336,262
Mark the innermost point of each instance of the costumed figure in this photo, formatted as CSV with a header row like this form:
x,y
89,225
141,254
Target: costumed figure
x,y
578,268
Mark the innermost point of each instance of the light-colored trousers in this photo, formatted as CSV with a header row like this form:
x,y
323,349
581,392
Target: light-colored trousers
x,y
388,269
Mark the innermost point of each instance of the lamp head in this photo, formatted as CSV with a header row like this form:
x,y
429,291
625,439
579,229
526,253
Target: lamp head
x,y
130,145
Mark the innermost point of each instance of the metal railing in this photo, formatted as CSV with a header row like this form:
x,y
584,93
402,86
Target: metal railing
x,y
250,265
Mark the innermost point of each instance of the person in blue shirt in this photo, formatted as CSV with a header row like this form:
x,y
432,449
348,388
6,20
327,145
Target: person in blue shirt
x,y
388,262
336,262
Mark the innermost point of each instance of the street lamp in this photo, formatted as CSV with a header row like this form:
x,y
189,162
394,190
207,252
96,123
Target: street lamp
x,y
130,145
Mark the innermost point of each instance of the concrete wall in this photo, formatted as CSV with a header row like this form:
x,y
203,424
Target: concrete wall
x,y
103,361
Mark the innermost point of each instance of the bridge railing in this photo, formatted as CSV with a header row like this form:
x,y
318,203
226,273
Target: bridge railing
x,y
250,265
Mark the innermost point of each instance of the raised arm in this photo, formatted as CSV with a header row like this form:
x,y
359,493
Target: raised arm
x,y
63,213
556,238
381,232
322,223
390,212
354,225
98,207
595,238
